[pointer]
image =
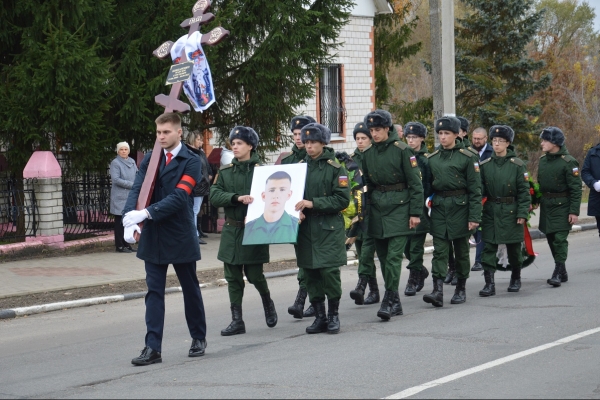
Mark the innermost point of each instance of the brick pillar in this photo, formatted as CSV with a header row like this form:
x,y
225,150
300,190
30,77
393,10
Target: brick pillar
x,y
48,192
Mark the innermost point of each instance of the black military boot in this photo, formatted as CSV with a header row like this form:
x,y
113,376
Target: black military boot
x,y
477,267
515,280
358,294
490,286
556,278
411,285
297,309
385,311
451,272
320,323
437,296
333,319
564,276
237,325
270,312
310,312
460,295
423,274
454,279
373,296
396,305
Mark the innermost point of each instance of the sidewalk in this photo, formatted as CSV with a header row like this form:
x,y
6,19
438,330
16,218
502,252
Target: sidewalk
x,y
63,273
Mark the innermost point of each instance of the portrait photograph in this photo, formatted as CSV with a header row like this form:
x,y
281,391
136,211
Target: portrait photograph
x,y
271,217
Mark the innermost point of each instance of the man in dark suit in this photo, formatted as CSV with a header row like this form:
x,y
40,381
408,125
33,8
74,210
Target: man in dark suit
x,y
480,144
168,237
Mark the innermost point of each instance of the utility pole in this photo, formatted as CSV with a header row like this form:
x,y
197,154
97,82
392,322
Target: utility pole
x,y
441,17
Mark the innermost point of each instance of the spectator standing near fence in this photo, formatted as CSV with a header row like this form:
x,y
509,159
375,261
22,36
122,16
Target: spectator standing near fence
x,y
591,176
122,175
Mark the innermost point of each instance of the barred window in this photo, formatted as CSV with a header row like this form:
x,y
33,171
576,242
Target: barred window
x,y
332,112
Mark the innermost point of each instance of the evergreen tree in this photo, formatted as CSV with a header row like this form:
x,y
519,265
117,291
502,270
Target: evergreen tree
x,y
494,75
392,33
54,85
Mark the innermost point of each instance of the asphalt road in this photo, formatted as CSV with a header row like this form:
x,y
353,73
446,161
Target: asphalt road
x,y
86,353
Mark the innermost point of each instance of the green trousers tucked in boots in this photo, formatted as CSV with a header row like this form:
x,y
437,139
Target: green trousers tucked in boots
x,y
323,283
559,246
390,252
301,278
234,275
441,249
366,257
415,248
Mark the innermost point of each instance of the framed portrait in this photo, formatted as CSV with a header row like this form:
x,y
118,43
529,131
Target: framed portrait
x,y
271,217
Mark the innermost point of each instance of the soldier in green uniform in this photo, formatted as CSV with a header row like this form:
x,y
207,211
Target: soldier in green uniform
x,y
320,248
415,133
232,192
275,225
299,154
560,184
365,247
505,188
456,208
395,193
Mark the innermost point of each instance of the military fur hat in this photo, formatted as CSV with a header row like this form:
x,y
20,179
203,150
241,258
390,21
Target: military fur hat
x,y
502,131
415,128
300,121
447,124
553,135
379,118
464,123
316,132
361,127
246,134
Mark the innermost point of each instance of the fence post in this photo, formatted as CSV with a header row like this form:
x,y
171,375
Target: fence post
x,y
48,192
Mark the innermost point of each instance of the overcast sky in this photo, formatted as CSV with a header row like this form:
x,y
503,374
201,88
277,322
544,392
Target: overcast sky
x,y
596,6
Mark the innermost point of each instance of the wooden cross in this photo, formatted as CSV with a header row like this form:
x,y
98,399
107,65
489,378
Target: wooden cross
x,y
171,103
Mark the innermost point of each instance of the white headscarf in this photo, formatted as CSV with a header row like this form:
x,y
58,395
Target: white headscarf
x,y
122,144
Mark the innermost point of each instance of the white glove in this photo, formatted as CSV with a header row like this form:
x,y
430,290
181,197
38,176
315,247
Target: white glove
x,y
134,217
129,231
597,186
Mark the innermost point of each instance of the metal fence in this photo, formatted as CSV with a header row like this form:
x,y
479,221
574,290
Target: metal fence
x,y
86,205
18,210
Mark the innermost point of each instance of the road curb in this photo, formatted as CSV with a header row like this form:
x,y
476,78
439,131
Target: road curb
x,y
64,305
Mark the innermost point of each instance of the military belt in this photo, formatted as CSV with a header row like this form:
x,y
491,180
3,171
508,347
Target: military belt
x,y
313,213
503,200
451,193
550,195
398,187
233,222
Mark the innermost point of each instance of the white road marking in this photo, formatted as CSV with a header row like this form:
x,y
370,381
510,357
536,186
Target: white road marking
x,y
417,389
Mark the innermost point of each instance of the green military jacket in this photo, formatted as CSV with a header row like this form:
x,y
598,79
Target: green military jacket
x,y
558,173
295,156
503,178
389,163
423,162
259,231
451,170
236,179
321,236
358,156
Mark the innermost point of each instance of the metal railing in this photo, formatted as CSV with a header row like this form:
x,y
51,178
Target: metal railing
x,y
86,205
18,210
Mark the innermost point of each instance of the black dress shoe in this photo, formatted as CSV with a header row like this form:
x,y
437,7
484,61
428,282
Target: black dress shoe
x,y
201,241
203,235
123,250
131,248
147,357
198,348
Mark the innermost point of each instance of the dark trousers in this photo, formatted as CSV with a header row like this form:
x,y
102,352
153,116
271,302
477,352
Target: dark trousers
x,y
119,231
478,236
490,259
559,246
234,275
598,223
366,257
301,278
441,251
323,282
156,279
415,249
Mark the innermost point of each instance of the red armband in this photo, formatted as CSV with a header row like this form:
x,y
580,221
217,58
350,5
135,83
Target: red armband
x,y
186,183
